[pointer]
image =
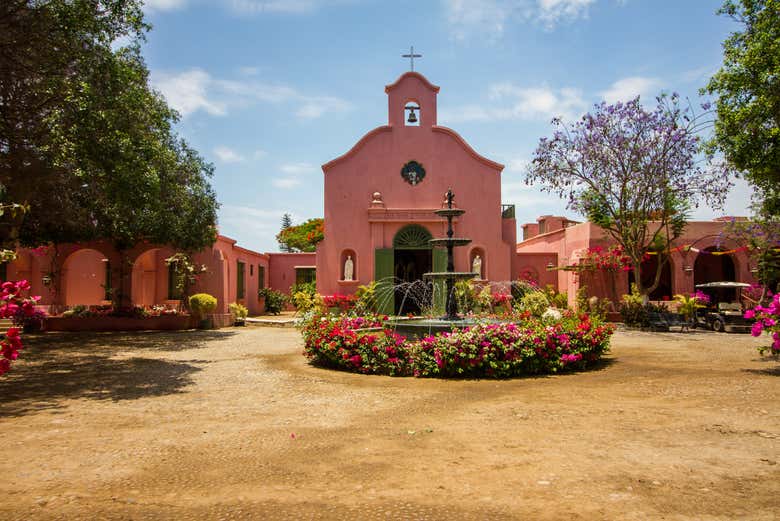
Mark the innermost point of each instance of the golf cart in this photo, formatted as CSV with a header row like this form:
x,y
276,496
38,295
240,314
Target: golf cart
x,y
725,312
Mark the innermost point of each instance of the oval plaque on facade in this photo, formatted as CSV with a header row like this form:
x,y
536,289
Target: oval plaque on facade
x,y
413,172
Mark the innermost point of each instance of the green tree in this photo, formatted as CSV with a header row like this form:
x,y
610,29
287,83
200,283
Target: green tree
x,y
85,141
303,237
747,128
286,223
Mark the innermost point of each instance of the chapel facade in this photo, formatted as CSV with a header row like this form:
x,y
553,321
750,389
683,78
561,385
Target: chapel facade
x,y
380,198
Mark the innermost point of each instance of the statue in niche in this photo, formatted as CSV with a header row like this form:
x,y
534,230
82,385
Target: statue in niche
x,y
349,268
476,266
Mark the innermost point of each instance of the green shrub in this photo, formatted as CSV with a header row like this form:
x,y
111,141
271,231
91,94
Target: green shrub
x,y
366,299
591,305
239,311
634,311
274,300
201,304
304,301
556,299
465,296
535,303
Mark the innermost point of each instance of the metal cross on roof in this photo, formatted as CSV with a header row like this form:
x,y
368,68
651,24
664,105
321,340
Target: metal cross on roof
x,y
411,56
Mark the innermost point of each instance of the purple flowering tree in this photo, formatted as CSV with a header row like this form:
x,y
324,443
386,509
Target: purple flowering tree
x,y
635,172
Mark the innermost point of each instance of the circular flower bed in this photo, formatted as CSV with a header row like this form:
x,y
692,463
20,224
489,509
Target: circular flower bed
x,y
526,346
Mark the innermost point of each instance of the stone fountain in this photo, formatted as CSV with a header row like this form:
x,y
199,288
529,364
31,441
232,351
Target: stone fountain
x,y
451,319
450,276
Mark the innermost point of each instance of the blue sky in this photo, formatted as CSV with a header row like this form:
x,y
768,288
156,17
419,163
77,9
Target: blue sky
x,y
269,90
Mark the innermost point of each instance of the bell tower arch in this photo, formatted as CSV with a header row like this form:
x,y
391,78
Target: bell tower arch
x,y
411,89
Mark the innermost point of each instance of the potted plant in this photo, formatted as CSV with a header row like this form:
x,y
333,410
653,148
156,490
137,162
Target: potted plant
x,y
201,305
239,312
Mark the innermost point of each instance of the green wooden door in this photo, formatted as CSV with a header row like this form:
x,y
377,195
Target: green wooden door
x,y
439,287
384,264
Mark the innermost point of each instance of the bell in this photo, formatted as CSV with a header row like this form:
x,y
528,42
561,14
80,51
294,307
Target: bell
x,y
412,116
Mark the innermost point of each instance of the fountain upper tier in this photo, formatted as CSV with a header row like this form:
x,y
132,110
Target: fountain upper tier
x,y
454,241
449,212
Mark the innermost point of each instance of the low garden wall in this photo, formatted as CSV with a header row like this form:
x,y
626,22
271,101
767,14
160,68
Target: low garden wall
x,y
162,323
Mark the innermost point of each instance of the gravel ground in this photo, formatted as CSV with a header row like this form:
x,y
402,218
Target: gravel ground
x,y
234,424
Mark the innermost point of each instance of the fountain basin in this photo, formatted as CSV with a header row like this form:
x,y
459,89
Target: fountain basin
x,y
454,275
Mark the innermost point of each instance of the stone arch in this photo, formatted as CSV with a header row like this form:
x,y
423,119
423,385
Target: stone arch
x,y
715,268
412,237
149,278
86,277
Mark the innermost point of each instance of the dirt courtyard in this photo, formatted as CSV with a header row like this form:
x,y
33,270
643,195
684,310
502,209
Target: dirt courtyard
x,y
234,424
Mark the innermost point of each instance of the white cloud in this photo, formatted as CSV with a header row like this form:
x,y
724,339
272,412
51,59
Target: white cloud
x,y
286,182
273,6
626,89
489,17
298,168
164,5
551,12
195,89
187,92
317,106
507,101
228,155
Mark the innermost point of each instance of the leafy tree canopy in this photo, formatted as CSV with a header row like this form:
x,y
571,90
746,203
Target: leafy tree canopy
x,y
635,172
303,237
747,128
84,140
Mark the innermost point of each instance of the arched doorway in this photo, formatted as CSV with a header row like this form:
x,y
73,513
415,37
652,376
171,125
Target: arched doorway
x,y
710,267
86,276
412,257
149,283
664,290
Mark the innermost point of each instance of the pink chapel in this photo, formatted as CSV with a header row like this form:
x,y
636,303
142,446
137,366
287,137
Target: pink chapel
x,y
381,195
379,201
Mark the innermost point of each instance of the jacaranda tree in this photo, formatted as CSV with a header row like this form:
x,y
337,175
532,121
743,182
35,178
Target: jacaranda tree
x,y
633,171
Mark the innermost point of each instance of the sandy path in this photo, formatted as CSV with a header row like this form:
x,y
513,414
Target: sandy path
x,y
234,424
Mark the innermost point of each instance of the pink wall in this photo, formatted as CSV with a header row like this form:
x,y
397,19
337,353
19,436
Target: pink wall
x,y
282,268
570,243
221,277
78,273
353,222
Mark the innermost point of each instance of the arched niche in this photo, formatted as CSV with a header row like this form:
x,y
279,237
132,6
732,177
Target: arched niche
x,y
86,278
348,254
473,254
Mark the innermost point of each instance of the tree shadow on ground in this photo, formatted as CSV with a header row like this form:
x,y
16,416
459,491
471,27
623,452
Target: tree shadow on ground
x,y
62,366
771,371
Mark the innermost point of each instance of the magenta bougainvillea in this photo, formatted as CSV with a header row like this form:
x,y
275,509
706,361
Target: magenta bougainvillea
x,y
490,350
12,305
767,320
